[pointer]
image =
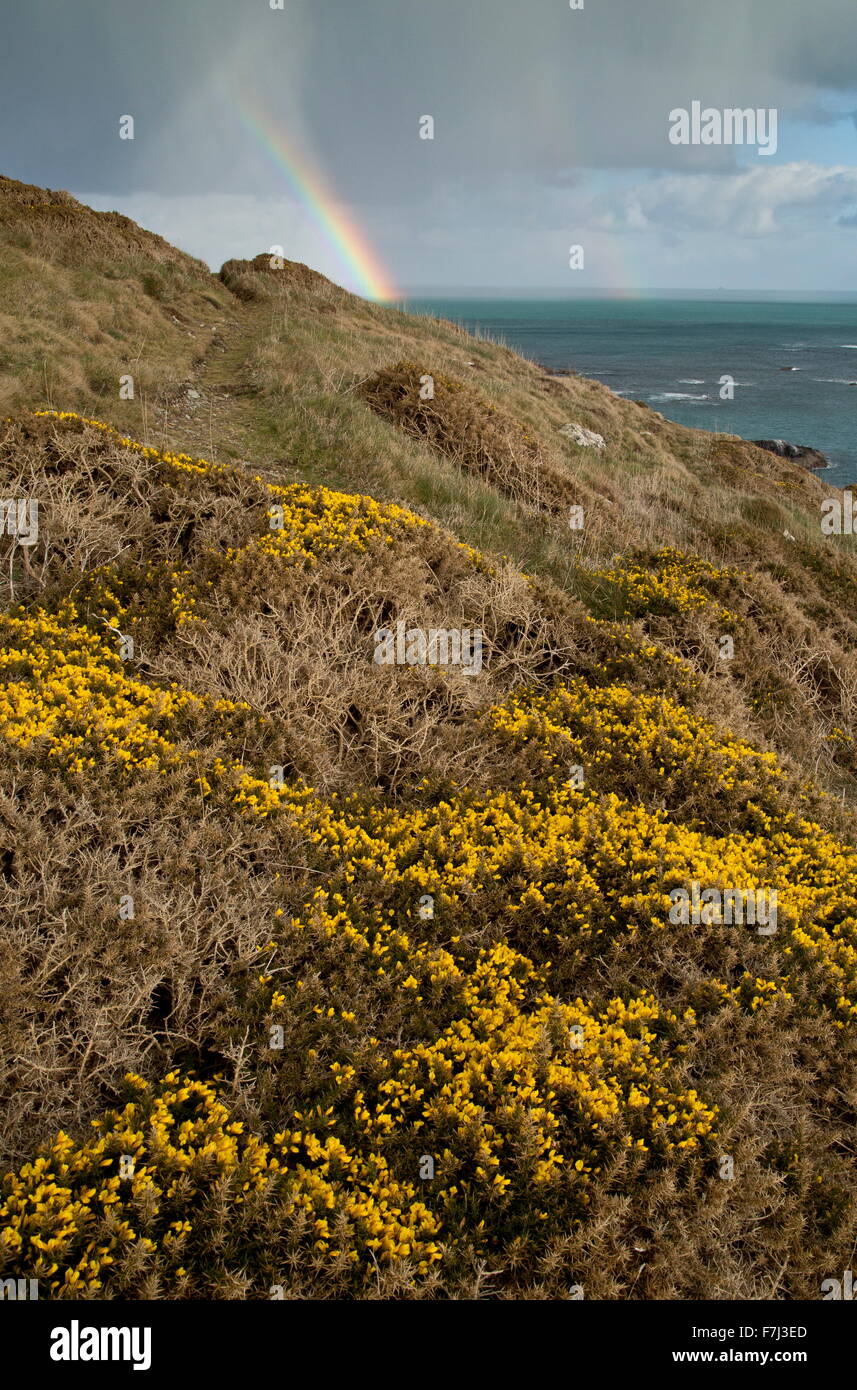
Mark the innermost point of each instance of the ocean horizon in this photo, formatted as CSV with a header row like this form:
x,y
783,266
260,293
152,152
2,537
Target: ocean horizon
x,y
793,360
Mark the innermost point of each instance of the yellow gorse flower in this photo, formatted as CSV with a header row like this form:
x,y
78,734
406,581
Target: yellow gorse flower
x,y
520,1089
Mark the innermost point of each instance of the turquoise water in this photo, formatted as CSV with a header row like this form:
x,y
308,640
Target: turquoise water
x,y
672,353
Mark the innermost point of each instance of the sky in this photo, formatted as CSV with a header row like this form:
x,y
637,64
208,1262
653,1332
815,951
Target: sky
x,y
300,127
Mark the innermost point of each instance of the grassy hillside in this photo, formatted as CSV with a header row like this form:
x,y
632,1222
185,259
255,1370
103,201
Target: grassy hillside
x,y
360,979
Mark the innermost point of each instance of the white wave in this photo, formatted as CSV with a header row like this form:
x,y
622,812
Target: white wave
x,y
677,396
691,381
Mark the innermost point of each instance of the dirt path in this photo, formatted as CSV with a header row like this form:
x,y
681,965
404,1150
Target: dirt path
x,y
200,417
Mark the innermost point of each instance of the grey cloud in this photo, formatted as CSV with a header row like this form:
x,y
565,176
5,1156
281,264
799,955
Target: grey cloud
x,y
513,87
535,106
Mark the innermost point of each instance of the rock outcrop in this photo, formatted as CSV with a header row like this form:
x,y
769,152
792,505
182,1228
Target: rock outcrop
x,y
801,453
587,439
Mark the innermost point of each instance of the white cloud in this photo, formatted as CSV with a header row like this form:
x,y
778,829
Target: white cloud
x,y
769,201
218,226
772,226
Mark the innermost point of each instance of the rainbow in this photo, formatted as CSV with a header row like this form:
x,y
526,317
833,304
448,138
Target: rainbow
x,y
345,238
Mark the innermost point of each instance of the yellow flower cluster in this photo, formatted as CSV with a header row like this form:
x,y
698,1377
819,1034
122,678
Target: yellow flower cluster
x,y
673,582
616,731
305,522
311,522
103,594
65,688
516,1091
382,1212
71,1213
182,462
520,1088
571,864
67,1215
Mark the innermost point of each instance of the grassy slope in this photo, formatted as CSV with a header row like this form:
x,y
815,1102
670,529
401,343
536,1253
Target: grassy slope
x,y
285,364
90,298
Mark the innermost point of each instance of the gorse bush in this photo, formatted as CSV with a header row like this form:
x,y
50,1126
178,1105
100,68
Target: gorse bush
x,y
371,980
479,436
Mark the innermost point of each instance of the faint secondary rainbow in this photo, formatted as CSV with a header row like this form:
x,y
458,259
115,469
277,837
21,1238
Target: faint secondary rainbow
x,y
344,237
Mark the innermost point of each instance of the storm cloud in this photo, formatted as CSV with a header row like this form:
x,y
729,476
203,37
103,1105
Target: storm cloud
x,y
550,124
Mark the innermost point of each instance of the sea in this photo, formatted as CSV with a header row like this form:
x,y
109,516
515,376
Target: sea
x,y
793,362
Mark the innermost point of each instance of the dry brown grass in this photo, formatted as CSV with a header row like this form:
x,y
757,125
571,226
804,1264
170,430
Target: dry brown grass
x,y
268,277
465,427
310,383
